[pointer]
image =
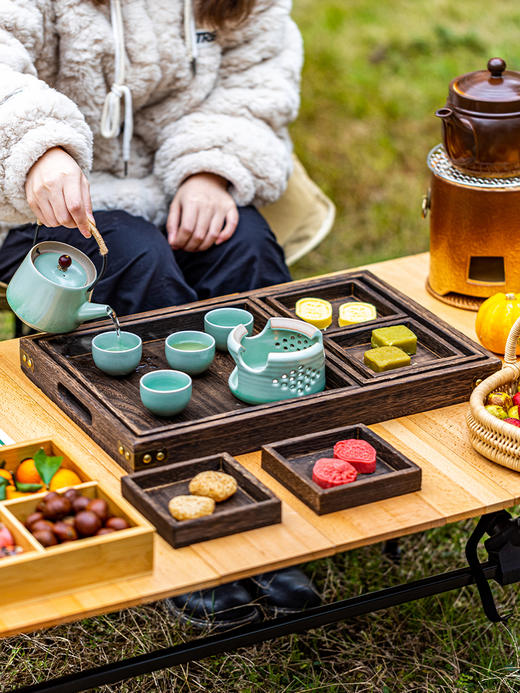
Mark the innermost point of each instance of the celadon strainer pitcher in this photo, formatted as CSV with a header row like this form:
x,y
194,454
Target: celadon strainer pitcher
x,y
284,361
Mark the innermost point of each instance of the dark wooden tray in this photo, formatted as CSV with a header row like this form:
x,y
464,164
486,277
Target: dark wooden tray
x,y
252,505
353,287
110,411
291,461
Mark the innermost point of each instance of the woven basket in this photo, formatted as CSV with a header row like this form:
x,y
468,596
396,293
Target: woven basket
x,y
490,436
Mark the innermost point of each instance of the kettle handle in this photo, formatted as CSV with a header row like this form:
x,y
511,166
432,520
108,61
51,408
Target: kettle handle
x,y
103,250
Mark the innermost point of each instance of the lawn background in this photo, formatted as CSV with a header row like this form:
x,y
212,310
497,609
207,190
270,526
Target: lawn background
x,y
375,73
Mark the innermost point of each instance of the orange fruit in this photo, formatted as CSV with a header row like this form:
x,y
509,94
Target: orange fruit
x,y
64,478
7,475
27,472
11,492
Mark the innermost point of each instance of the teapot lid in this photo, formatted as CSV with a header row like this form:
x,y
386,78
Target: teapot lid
x,y
495,90
61,269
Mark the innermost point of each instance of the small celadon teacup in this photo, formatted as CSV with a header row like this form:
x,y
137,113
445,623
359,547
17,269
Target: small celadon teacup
x,y
117,355
219,323
165,392
190,351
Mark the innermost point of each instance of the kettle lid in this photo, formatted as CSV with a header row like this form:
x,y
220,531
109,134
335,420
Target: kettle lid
x,y
495,90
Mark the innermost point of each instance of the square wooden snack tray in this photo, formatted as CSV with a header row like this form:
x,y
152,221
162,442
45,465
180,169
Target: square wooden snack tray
x,y
110,411
291,462
74,564
252,505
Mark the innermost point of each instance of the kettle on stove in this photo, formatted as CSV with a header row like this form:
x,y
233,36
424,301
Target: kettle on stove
x,y
51,289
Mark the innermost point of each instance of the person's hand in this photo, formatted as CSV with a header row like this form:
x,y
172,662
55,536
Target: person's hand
x,y
202,213
58,192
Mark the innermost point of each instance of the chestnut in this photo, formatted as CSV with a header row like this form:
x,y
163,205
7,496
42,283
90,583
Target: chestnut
x,y
56,508
71,493
41,525
64,532
45,537
32,518
104,530
100,507
87,523
117,523
69,520
80,503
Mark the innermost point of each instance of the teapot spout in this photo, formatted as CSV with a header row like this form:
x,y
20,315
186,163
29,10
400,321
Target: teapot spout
x,y
90,311
444,113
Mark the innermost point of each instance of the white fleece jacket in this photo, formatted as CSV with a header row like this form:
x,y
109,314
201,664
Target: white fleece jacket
x,y
230,118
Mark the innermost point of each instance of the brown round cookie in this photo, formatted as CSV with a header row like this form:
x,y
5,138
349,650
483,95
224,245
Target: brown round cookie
x,y
216,485
190,507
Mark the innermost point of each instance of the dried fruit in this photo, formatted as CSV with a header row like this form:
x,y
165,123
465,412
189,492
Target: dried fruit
x,y
516,399
513,413
497,411
514,422
87,523
502,399
6,538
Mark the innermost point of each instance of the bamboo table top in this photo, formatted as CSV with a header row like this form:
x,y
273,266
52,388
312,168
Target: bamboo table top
x,y
457,483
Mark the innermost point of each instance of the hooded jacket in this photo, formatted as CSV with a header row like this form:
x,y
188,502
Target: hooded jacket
x,y
228,116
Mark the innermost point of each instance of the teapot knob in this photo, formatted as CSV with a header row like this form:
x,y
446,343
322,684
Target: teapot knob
x,y
496,66
64,262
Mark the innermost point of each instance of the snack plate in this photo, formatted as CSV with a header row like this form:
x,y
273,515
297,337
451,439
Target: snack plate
x,y
252,505
42,571
110,411
291,462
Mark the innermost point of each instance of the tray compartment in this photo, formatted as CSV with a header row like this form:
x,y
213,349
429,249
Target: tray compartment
x,y
66,567
252,505
433,351
16,453
355,289
291,461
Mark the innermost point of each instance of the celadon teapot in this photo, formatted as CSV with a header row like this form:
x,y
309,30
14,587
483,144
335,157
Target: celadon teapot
x,y
51,289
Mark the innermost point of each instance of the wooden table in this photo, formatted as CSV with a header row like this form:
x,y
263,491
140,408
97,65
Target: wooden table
x,y
457,483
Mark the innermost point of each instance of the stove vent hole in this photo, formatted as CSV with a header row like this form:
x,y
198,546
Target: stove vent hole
x,y
486,270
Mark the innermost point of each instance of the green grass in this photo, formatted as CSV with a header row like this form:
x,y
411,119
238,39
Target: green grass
x,y
375,73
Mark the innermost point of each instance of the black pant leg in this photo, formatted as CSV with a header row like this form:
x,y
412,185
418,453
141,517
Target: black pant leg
x,y
250,259
141,274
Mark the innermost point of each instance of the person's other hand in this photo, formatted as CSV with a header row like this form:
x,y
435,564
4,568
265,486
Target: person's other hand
x,y
202,213
58,192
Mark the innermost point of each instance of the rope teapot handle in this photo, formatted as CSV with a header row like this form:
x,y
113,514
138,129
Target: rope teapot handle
x,y
103,250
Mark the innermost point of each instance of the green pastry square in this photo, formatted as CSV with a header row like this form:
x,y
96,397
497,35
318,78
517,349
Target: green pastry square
x,y
386,358
396,335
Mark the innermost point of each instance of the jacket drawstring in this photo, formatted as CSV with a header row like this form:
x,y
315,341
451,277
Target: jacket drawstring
x,y
111,116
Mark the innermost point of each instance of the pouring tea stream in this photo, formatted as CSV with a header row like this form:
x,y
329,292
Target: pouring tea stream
x,y
51,289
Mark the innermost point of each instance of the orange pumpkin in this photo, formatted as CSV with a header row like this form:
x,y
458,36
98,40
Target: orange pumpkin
x,y
495,318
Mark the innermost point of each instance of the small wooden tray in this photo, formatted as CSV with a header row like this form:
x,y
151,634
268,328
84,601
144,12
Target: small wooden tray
x,y
17,452
291,461
252,505
65,567
357,288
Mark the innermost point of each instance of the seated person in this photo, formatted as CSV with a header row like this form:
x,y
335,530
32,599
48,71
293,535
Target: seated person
x,y
169,120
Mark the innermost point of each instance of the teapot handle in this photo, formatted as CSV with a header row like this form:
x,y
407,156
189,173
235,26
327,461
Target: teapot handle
x,y
103,250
